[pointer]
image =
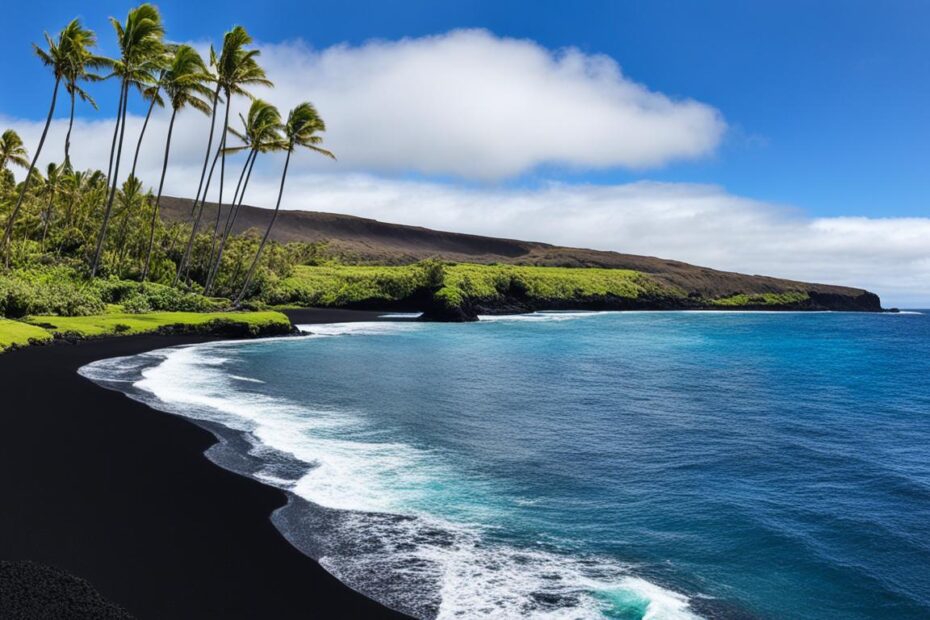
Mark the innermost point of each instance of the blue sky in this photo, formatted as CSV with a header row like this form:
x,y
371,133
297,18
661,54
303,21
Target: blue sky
x,y
788,137
828,103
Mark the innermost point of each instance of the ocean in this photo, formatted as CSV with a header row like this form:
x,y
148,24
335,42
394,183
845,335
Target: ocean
x,y
585,465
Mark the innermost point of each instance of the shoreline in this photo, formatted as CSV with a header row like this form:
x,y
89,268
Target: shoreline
x,y
123,496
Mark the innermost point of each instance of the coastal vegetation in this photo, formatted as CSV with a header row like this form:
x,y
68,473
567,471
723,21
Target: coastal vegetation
x,y
18,334
67,233
762,299
436,285
43,329
250,323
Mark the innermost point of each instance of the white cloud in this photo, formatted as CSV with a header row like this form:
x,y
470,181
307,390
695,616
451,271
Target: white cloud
x,y
471,104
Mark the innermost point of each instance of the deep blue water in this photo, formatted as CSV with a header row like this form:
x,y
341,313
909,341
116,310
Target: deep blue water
x,y
622,465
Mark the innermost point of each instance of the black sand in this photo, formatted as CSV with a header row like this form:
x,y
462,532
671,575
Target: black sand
x,y
122,497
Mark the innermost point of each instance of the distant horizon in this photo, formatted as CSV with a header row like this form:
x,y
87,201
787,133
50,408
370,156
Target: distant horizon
x,y
612,127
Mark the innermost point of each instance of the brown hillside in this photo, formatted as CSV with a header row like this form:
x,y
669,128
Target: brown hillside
x,y
367,240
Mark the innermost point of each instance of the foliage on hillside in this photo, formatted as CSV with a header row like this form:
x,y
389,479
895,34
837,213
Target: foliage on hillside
x,y
787,298
488,282
342,285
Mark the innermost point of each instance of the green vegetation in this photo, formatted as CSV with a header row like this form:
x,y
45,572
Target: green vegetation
x,y
63,291
547,283
787,298
453,285
345,285
63,229
17,334
123,323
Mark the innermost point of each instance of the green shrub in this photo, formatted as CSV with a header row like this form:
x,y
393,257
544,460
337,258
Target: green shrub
x,y
64,291
56,290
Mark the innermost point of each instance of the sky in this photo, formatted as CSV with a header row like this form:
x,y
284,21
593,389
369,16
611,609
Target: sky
x,y
790,138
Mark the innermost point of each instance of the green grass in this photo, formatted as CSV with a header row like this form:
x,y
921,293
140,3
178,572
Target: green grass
x,y
762,299
341,285
16,333
547,283
123,323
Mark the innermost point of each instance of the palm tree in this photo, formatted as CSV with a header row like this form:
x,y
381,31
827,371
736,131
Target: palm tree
x,y
236,67
12,150
303,124
184,82
260,133
81,60
60,58
141,55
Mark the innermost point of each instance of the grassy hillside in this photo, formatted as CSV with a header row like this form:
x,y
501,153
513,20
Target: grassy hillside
x,y
42,329
17,334
464,290
123,323
346,285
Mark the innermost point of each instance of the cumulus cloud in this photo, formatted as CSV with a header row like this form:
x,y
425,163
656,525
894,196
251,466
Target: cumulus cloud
x,y
471,104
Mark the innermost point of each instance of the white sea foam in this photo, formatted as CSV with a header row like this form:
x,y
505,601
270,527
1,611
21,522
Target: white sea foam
x,y
395,539
361,328
541,316
246,379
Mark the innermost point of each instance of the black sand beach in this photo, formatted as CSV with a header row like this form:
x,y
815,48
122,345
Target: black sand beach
x,y
122,496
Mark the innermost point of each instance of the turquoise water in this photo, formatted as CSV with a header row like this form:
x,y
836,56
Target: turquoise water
x,y
624,465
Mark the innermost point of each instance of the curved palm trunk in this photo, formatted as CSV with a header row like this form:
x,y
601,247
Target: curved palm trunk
x,y
124,225
123,94
109,208
206,160
8,233
230,219
68,135
198,219
219,204
161,183
145,124
258,254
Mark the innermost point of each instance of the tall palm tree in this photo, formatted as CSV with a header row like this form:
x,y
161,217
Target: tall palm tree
x,y
78,70
12,150
260,133
184,82
141,56
303,124
60,58
236,67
